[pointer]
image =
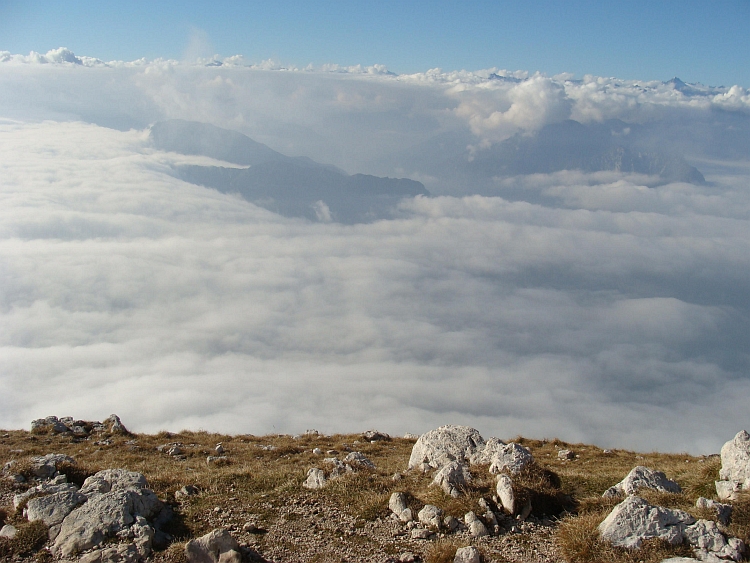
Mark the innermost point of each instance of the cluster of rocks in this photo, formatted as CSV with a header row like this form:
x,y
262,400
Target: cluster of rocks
x,y
333,467
79,428
451,450
431,519
111,504
635,520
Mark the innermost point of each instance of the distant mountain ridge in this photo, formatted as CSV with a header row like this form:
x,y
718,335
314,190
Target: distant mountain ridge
x,y
291,186
569,145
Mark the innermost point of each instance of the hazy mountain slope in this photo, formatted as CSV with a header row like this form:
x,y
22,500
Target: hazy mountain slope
x,y
291,186
569,145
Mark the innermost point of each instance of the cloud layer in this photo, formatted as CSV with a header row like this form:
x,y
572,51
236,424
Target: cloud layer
x,y
597,307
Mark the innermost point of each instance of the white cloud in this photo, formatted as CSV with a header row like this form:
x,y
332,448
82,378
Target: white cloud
x,y
604,307
531,104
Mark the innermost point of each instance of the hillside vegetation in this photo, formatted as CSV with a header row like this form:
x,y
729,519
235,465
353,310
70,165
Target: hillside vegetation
x,y
254,489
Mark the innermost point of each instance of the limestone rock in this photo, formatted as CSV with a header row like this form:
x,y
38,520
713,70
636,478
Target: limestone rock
x,y
115,425
8,531
635,520
505,493
723,511
469,554
727,490
566,455
421,534
45,467
431,516
397,503
475,525
510,457
216,546
448,443
336,467
186,491
410,436
734,474
57,485
642,477
316,478
375,436
358,460
398,506
705,535
116,497
123,553
452,478
450,523
483,455
52,509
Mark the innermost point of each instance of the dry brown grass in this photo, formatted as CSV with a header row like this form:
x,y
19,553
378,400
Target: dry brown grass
x,y
260,480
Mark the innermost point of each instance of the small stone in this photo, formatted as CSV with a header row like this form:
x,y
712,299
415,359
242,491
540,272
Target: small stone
x,y
8,531
431,516
469,554
420,534
186,491
358,460
249,527
375,436
450,523
317,451
565,455
316,479
218,546
219,449
397,503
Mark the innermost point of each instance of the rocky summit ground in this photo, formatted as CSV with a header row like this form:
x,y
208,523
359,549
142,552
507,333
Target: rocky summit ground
x,y
315,497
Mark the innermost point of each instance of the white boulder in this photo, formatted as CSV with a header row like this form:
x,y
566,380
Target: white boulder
x,y
635,520
642,477
115,498
216,546
510,457
734,474
443,445
505,493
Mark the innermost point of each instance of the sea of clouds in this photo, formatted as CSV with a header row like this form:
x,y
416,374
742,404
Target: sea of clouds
x,y
605,307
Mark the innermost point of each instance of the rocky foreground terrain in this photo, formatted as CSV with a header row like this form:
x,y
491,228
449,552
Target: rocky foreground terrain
x,y
93,492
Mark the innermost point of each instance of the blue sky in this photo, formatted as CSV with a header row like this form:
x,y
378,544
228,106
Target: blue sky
x,y
698,41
